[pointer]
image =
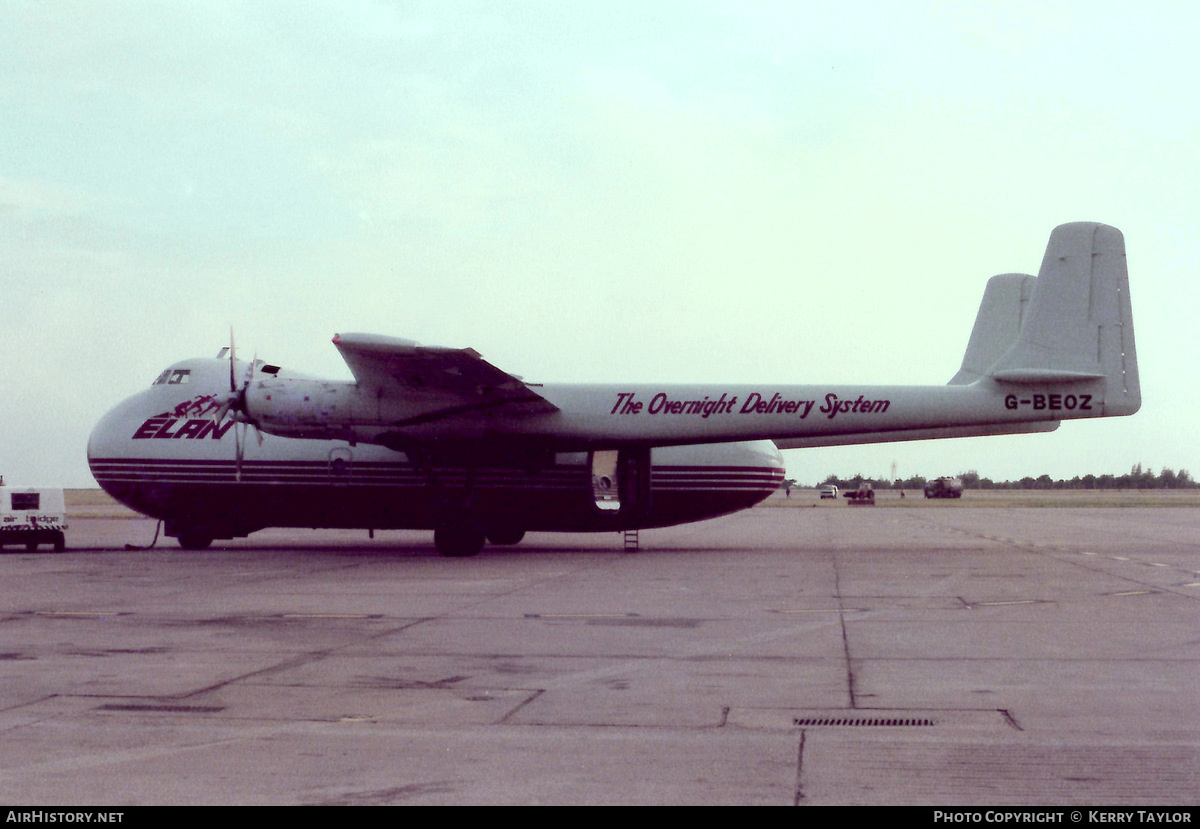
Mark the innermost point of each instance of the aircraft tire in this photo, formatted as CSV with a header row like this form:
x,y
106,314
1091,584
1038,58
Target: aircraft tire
x,y
194,540
458,540
505,536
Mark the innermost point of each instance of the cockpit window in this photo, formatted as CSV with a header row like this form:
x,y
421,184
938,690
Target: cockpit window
x,y
173,377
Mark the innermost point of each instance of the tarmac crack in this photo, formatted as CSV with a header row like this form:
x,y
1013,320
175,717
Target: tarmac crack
x,y
837,589
533,696
295,662
1070,556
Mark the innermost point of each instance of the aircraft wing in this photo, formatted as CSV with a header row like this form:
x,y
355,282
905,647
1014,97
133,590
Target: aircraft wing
x,y
447,381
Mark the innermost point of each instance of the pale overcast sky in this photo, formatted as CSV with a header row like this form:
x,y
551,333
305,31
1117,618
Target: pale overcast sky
x,y
608,191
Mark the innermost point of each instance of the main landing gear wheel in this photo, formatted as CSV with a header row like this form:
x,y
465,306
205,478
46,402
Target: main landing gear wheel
x,y
194,540
505,536
458,540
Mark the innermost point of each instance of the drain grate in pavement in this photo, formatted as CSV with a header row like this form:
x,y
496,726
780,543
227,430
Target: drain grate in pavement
x,y
958,720
862,721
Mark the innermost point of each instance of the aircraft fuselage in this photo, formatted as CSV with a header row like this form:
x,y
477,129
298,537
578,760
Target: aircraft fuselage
x,y
161,452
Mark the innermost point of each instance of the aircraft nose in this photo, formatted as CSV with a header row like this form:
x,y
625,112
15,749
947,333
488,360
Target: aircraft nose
x,y
101,437
102,446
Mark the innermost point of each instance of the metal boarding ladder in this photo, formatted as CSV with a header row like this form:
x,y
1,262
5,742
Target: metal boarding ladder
x,y
631,541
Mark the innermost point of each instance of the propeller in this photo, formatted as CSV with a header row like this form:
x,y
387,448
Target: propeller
x,y
236,399
235,403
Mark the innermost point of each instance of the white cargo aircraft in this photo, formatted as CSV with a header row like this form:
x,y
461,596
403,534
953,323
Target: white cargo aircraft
x,y
437,438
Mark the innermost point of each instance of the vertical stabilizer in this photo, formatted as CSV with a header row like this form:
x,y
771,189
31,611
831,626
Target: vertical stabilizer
x,y
997,325
1078,325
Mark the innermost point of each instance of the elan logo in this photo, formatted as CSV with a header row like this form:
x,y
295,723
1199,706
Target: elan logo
x,y
185,421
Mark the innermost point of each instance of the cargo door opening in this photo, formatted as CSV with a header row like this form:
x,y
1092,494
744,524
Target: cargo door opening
x,y
621,482
605,492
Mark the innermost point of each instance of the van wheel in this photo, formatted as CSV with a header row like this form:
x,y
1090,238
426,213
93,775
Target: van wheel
x,y
60,541
31,546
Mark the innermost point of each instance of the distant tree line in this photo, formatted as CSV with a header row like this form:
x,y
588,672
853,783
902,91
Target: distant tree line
x,y
1136,478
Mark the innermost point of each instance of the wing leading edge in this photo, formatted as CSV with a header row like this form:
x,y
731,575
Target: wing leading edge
x,y
449,381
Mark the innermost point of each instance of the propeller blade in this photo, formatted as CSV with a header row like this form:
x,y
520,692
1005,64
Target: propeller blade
x,y
222,410
232,355
235,402
239,451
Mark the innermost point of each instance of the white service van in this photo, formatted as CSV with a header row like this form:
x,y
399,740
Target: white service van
x,y
32,515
